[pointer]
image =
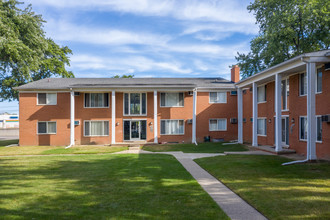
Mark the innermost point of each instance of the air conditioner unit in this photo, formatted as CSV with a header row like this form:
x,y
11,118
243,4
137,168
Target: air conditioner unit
x,y
189,121
190,93
233,93
326,118
77,122
233,120
244,120
76,93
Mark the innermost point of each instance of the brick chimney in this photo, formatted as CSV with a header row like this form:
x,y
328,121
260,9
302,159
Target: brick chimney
x,y
235,73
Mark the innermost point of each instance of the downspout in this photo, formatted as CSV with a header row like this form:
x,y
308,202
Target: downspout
x,y
308,150
71,119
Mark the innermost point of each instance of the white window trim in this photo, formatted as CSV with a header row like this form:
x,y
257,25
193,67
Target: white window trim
x,y
217,95
300,128
265,101
316,92
46,128
84,102
90,128
316,117
129,104
160,100
217,123
46,97
172,120
300,76
263,118
286,94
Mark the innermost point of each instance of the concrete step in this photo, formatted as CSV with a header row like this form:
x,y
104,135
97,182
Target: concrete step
x,y
134,147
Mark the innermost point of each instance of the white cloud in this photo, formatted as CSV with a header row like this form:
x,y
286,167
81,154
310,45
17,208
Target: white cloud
x,y
128,65
233,11
65,31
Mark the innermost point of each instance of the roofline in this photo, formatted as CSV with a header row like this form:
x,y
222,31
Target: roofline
x,y
302,59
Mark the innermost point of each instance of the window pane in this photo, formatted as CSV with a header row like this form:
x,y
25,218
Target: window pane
x,y
221,124
303,128
106,128
303,84
162,99
135,103
51,98
143,130
126,103
319,128
144,101
51,127
96,128
87,128
283,89
213,125
162,127
42,98
181,99
222,96
87,100
261,94
172,99
42,127
127,130
181,126
106,100
319,80
261,126
213,97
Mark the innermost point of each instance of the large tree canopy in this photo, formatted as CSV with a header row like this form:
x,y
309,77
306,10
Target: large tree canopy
x,y
287,28
26,54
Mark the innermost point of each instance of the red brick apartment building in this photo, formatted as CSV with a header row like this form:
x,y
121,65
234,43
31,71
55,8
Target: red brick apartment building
x,y
290,103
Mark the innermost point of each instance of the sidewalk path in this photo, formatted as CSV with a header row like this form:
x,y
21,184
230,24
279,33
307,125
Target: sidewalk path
x,y
233,205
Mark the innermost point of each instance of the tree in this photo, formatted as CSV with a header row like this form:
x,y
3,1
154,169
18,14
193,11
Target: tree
x,y
123,76
26,54
287,28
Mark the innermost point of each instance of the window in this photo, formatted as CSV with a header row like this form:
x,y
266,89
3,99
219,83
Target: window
x,y
171,127
319,80
304,128
285,93
261,90
96,100
96,128
218,97
303,84
262,126
319,128
47,98
171,99
218,124
47,127
135,103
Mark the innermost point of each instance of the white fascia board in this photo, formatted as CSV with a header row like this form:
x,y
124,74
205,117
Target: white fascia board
x,y
270,73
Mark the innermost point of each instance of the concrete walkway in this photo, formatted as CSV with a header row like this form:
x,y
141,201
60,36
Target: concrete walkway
x,y
233,205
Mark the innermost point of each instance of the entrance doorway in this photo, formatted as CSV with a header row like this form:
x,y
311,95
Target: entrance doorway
x,y
285,131
135,130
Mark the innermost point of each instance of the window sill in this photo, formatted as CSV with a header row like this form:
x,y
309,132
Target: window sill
x,y
45,104
262,102
218,130
96,136
171,134
171,106
96,107
46,133
303,140
136,115
217,102
261,135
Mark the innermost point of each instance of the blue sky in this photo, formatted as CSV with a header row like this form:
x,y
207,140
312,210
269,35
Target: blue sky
x,y
148,38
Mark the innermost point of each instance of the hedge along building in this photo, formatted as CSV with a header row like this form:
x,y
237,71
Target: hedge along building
x,y
290,103
286,102
75,111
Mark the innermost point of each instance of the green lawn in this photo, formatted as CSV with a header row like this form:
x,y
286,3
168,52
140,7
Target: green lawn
x,y
4,143
300,191
101,187
209,147
46,150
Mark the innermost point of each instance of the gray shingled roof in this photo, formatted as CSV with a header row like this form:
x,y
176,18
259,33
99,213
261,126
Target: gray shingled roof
x,y
67,83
